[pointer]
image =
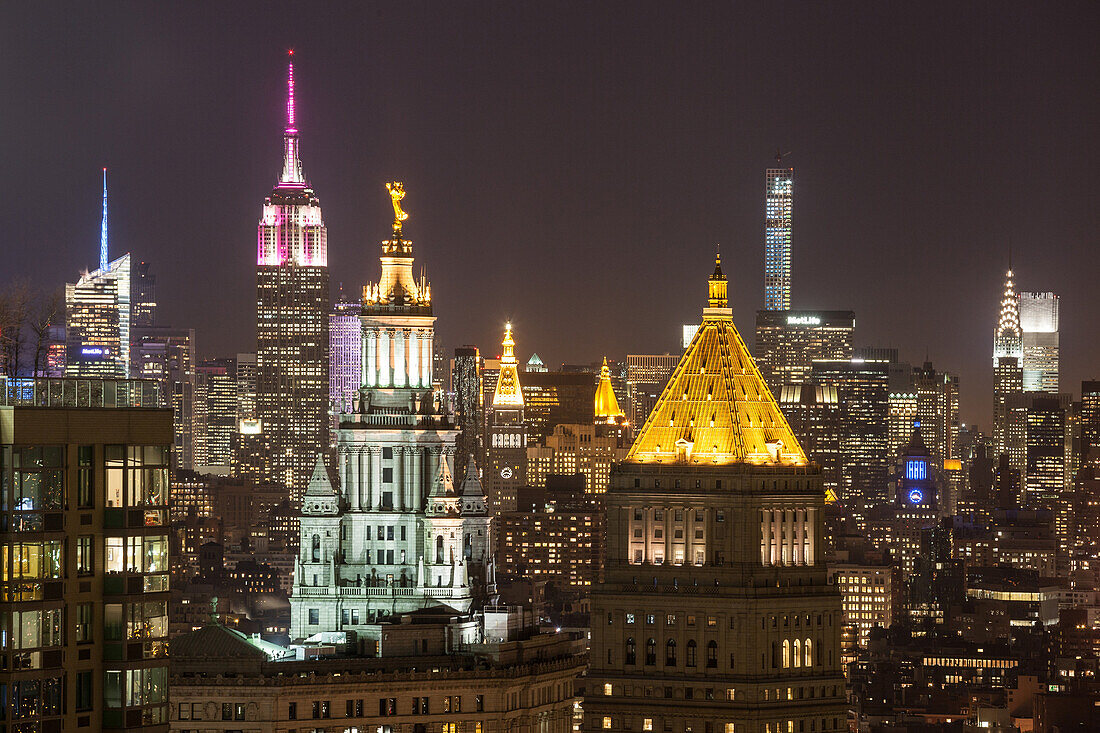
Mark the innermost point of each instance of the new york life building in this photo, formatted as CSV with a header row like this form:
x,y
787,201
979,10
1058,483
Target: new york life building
x,y
715,614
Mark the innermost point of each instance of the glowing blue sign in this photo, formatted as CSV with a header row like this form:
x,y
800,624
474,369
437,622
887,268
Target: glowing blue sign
x,y
916,496
916,470
91,351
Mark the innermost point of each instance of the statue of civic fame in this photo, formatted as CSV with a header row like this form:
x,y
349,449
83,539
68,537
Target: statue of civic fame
x,y
404,523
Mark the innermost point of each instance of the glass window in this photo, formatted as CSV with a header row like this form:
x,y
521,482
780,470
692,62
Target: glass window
x,y
112,689
115,463
156,554
112,622
85,555
84,620
146,686
84,692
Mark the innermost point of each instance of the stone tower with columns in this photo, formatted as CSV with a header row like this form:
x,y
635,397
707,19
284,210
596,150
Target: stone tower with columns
x,y
714,577
387,534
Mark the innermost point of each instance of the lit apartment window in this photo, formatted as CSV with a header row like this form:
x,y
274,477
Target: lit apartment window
x,y
607,689
647,724
607,722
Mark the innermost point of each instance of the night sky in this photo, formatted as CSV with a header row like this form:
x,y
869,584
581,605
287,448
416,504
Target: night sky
x,y
571,166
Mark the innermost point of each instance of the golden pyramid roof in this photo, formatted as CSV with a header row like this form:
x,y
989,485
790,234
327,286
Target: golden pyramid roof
x,y
716,408
509,392
606,406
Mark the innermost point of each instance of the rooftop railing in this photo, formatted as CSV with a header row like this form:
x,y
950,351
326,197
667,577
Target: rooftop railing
x,y
79,392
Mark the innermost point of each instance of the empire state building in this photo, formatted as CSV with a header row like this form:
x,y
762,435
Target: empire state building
x,y
292,302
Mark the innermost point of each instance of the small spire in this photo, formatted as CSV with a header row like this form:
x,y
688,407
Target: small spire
x,y
103,227
716,285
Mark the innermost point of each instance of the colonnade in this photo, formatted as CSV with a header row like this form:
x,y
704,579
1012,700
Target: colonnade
x,y
361,476
397,357
788,536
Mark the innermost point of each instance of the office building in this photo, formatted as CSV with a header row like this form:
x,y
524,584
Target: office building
x,y
466,387
937,409
788,343
394,532
168,356
1008,376
143,297
1037,429
778,204
715,493
292,307
813,412
589,450
1089,421
871,594
506,444
646,377
553,536
1039,341
902,406
97,315
97,319
85,547
345,339
216,387
862,392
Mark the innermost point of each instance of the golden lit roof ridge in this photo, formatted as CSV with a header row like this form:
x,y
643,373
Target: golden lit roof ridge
x,y
606,407
509,393
716,408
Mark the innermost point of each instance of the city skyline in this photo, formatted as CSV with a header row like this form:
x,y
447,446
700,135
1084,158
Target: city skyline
x,y
602,194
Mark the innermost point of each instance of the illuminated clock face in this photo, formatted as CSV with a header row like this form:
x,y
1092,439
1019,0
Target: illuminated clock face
x,y
916,496
506,472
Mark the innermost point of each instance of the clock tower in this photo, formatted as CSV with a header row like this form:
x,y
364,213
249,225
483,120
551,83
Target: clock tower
x,y
507,444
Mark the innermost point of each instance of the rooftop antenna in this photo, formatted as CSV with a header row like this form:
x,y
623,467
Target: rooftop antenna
x,y
103,227
780,155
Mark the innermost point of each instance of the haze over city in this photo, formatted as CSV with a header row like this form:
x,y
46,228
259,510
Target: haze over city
x,y
572,167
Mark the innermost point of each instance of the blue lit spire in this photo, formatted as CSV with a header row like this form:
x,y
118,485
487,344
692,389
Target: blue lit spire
x,y
103,227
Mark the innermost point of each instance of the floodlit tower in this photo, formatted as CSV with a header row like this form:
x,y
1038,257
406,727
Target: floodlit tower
x,y
292,305
1007,366
507,443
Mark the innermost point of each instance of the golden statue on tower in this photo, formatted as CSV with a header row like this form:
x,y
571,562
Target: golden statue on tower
x,y
397,192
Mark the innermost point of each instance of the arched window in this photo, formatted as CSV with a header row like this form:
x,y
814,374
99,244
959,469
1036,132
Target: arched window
x,y
786,654
468,546
775,654
670,653
712,654
316,548
796,658
691,653
631,651
807,650
651,651
439,549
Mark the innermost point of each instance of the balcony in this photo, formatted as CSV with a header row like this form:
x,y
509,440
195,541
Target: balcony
x,y
380,592
75,392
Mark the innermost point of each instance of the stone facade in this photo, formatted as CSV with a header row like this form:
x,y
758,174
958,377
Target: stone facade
x,y
220,685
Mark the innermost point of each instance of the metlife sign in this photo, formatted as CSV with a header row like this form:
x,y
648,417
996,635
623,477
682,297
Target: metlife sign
x,y
803,320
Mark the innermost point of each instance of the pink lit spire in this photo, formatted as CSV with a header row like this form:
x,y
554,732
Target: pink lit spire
x,y
292,165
